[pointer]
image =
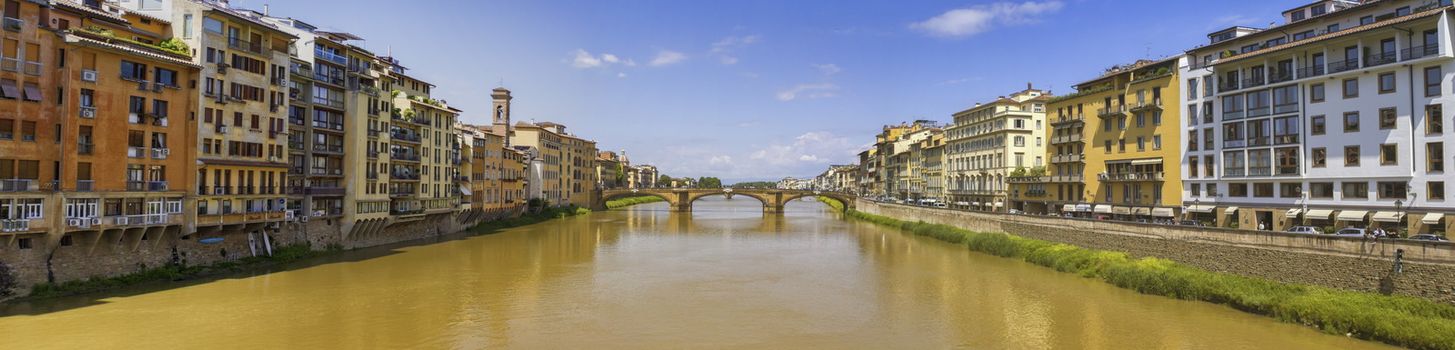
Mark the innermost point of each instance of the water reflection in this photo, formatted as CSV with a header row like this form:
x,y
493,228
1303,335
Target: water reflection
x,y
724,276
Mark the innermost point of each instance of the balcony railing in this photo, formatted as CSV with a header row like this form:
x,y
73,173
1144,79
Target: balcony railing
x,y
1285,139
1225,86
1155,104
322,54
1068,158
404,176
136,152
1311,71
1417,52
1138,176
404,156
85,148
1279,76
1024,179
327,171
1257,141
329,102
85,185
161,153
244,45
19,185
1343,66
328,148
1260,171
336,126
1068,119
295,145
325,191
1111,111
404,137
14,24
1253,82
14,225
1381,58
149,186
1258,111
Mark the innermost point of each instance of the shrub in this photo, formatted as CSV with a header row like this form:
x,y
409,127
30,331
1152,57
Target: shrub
x,y
630,201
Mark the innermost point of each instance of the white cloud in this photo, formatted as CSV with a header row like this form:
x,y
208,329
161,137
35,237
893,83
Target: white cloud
x,y
720,160
807,150
810,91
582,59
668,57
724,48
828,69
965,22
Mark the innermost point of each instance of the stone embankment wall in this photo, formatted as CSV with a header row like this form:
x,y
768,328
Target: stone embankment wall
x,y
1338,262
111,254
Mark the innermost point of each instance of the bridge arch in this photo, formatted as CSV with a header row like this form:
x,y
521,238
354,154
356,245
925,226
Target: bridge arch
x,y
609,195
681,199
848,200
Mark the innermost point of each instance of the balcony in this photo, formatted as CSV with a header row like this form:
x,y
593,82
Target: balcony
x,y
336,149
406,137
1225,86
14,225
1068,120
404,157
1260,171
1254,112
136,152
1068,158
401,175
214,190
1343,66
328,102
1025,179
1156,104
1234,172
1253,82
161,153
1418,52
244,45
88,112
1311,71
85,185
301,71
1380,59
421,121
295,145
19,185
1131,177
327,56
328,126
1285,139
1066,178
324,191
1279,76
85,148
14,24
326,172
1111,111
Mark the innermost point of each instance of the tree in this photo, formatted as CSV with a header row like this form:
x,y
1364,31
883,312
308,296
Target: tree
x,y
709,182
664,180
7,281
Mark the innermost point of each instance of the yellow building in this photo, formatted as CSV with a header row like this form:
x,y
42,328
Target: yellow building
x,y
1114,149
423,149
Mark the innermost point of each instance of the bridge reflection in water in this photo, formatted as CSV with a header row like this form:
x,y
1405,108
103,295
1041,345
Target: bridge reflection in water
x,y
645,277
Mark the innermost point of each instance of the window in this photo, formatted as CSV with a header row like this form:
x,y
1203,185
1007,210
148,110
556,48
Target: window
x,y
1285,99
133,71
1156,141
1106,144
1389,154
1192,140
7,132
1386,118
1366,20
1319,157
1020,141
1321,190
27,131
1285,130
211,25
1393,190
1351,122
1192,89
1237,190
1141,144
1432,81
1287,161
1386,83
167,77
1316,93
1434,119
1351,88
1356,190
1435,157
1351,156
1263,190
1316,125
1435,190
1290,190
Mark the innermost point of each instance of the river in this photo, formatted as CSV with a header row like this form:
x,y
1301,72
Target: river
x,y
724,276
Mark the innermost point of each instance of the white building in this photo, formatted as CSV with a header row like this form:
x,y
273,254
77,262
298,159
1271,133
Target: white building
x,y
1335,118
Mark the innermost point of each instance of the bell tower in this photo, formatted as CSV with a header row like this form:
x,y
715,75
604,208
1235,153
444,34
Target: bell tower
x,y
500,113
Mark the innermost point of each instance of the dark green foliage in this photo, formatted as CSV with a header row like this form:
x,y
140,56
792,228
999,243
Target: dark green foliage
x,y
630,201
1398,320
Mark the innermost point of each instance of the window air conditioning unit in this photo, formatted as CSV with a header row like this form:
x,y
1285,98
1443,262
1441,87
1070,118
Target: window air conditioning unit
x,y
95,221
219,190
88,75
303,219
88,113
222,129
120,220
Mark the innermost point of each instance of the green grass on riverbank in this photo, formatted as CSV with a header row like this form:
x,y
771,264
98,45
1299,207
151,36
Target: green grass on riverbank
x,y
1397,320
174,273
630,201
833,203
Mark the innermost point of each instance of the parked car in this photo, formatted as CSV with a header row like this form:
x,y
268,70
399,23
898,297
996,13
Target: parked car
x,y
1428,237
1190,223
1351,232
1306,230
1016,211
941,205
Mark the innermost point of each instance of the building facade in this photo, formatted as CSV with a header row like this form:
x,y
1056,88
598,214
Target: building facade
x,y
1333,118
990,141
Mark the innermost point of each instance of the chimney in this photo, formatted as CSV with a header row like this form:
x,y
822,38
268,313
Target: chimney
x,y
265,10
1028,84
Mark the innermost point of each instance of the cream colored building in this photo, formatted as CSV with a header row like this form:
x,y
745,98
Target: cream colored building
x,y
990,141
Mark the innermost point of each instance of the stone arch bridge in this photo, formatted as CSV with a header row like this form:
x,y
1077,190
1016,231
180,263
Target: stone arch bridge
x,y
680,199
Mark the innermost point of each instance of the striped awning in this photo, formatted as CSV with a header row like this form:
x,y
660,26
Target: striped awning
x,y
1293,212
1068,208
1103,209
1201,208
1141,211
1121,210
1352,215
1388,216
1163,212
1083,208
1432,218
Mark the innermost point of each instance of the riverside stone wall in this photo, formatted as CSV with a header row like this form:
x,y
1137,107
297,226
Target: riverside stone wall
x,y
114,253
1338,262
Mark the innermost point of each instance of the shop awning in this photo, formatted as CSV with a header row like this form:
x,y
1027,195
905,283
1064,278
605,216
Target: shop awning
x,y
975,203
1231,211
1163,212
1293,213
1432,218
1353,215
1141,211
1201,208
465,191
1319,214
1083,208
1068,208
1121,210
962,203
1388,216
1103,209
999,204
1147,161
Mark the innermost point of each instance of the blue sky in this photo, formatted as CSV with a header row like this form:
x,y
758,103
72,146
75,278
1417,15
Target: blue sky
x,y
757,89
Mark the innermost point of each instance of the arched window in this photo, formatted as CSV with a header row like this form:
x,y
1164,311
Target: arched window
x,y
499,112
